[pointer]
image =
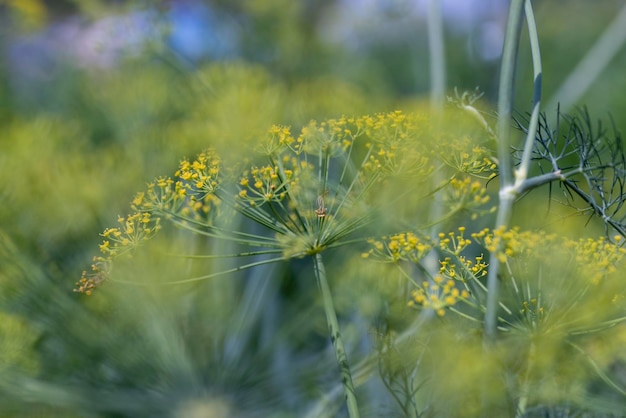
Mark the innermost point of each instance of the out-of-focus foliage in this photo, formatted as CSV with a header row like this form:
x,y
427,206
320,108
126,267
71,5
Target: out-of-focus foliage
x,y
74,147
80,136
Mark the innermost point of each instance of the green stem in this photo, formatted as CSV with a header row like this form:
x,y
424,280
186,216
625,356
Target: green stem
x,y
505,92
595,61
365,368
605,378
437,56
522,172
525,389
505,99
493,285
335,336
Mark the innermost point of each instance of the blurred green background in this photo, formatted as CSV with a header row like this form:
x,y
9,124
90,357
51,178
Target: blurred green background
x,y
98,97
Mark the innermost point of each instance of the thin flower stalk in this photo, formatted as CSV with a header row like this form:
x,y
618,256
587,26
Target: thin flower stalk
x,y
335,336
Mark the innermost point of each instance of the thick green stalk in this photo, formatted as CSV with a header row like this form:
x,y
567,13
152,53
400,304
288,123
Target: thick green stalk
x,y
595,61
505,92
505,99
335,336
437,61
509,190
437,56
521,174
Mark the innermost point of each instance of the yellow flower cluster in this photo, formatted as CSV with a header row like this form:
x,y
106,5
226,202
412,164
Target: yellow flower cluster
x,y
393,146
465,194
88,281
383,159
405,246
530,256
278,138
393,126
201,175
192,194
512,242
132,232
195,192
162,194
532,310
438,295
454,243
315,188
469,269
265,184
597,258
442,292
464,156
387,134
313,179
333,137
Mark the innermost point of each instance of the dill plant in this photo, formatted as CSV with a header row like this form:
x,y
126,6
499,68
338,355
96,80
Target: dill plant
x,y
540,300
504,313
556,292
299,196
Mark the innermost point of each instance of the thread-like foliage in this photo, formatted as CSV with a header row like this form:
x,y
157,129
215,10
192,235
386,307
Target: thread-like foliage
x,y
589,161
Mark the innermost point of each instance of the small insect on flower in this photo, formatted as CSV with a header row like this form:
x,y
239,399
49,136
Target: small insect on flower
x,y
321,210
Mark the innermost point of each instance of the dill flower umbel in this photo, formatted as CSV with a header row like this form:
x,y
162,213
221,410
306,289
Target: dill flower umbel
x,y
450,284
406,246
310,191
316,186
552,282
467,194
191,195
549,281
465,156
132,231
437,295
